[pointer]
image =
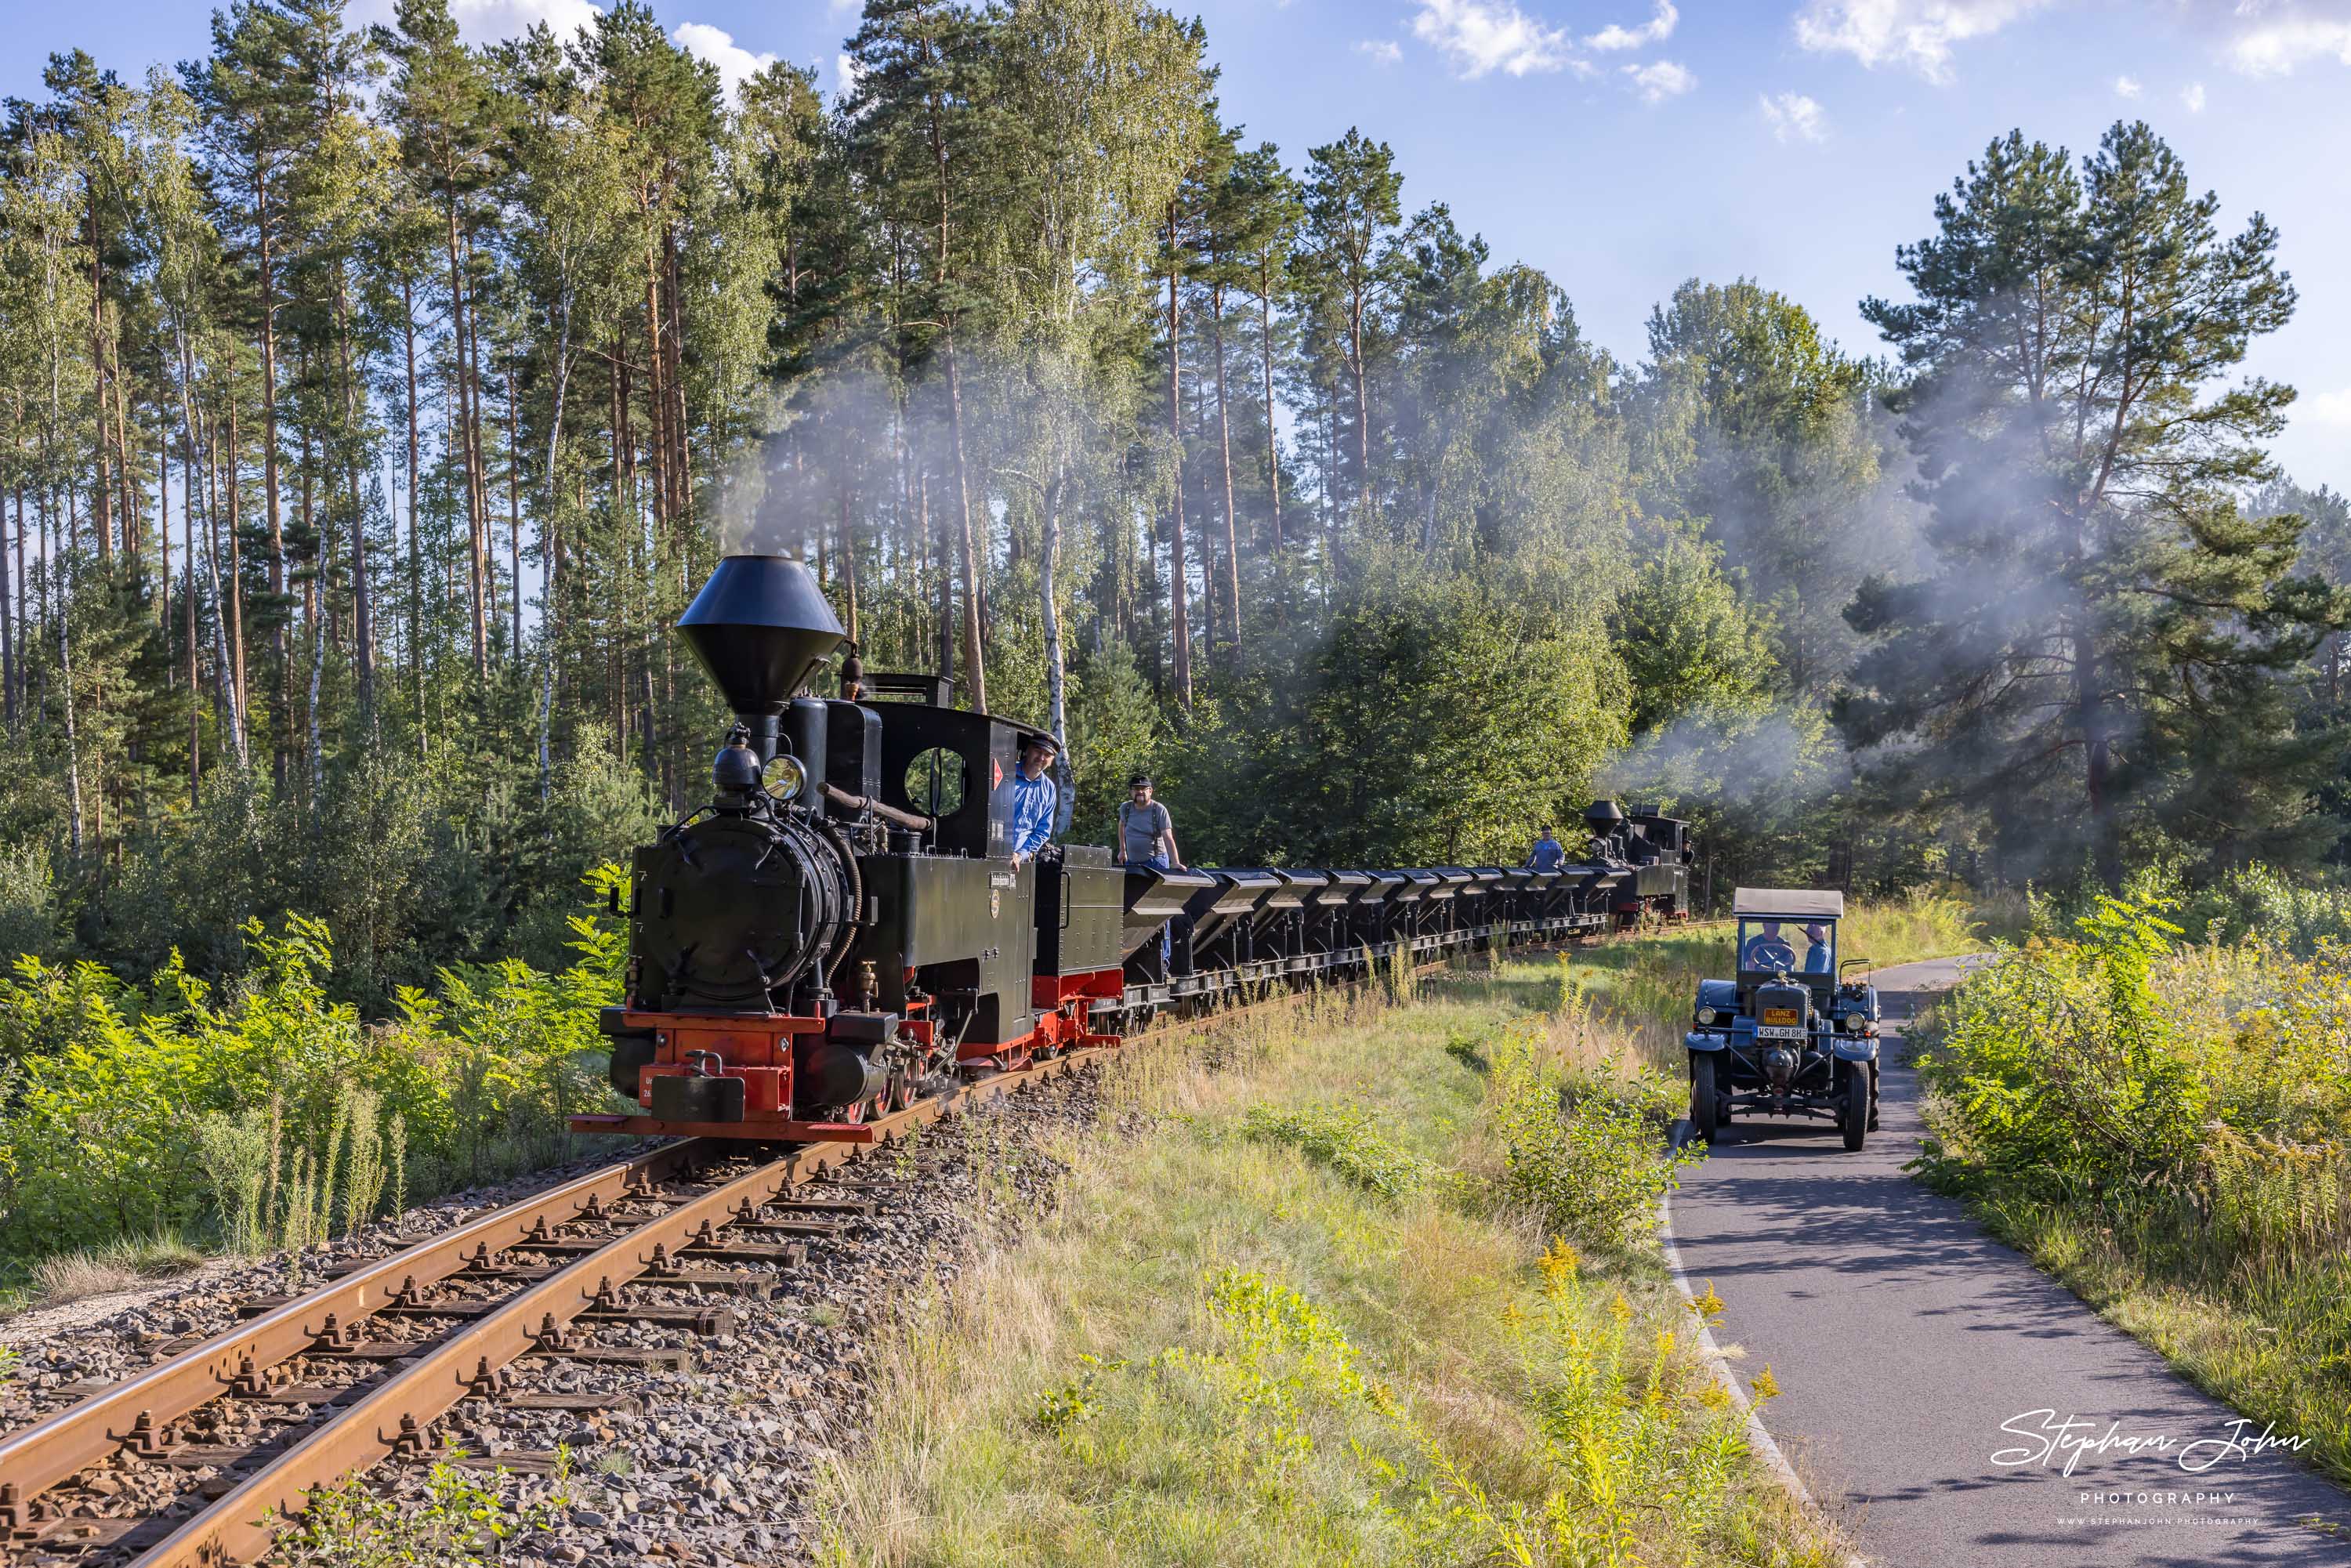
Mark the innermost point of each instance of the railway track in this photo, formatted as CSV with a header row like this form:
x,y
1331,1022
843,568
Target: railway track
x,y
310,1389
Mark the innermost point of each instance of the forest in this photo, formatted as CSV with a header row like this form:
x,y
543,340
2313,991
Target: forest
x,y
372,403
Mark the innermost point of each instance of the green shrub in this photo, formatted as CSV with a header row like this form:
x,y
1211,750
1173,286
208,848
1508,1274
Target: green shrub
x,y
2061,1068
130,1111
1584,1151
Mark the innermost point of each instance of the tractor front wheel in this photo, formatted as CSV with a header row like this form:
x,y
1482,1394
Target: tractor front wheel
x,y
1855,1119
1704,1108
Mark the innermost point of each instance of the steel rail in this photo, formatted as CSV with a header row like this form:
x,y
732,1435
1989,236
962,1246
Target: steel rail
x,y
393,1418
36,1458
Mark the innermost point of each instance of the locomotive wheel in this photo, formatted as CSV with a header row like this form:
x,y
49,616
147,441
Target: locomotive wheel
x,y
902,1091
1855,1119
1705,1111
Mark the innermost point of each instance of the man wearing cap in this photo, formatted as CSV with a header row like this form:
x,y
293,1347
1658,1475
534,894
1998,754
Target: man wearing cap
x,y
1817,955
1147,834
1146,841
1031,798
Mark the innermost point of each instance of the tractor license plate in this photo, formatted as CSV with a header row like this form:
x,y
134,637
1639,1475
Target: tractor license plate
x,y
1779,1031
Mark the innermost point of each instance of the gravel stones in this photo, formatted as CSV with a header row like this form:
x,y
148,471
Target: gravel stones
x,y
716,1464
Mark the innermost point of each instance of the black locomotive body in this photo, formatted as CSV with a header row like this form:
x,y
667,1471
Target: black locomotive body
x,y
842,930
1652,849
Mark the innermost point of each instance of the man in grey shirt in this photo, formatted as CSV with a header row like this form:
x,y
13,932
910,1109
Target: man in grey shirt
x,y
1146,841
1147,834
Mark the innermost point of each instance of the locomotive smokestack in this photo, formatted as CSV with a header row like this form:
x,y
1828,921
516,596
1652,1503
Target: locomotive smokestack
x,y
759,626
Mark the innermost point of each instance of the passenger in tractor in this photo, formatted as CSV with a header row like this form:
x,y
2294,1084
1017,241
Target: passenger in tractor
x,y
1817,957
1032,797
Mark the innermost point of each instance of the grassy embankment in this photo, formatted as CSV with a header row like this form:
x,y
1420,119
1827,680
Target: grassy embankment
x,y
2161,1128
1364,1284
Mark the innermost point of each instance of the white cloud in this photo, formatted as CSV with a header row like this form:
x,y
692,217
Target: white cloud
x,y
2278,39
1794,115
1656,30
2125,87
2192,95
490,21
845,71
2330,409
1483,36
1655,83
718,47
1914,33
1383,51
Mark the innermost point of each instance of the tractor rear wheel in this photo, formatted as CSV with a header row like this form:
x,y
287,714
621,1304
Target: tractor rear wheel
x,y
1705,1109
1855,1119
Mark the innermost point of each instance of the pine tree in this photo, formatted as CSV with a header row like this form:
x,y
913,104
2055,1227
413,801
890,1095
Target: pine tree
x,y
2094,658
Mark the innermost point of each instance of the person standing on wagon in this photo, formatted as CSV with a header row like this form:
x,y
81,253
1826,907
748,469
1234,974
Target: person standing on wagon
x,y
1147,834
1146,841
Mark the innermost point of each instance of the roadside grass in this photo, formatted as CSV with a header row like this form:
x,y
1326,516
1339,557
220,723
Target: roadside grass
x,y
1356,1284
2157,1126
2270,1338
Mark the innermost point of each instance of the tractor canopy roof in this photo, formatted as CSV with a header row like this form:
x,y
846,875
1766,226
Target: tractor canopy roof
x,y
1787,904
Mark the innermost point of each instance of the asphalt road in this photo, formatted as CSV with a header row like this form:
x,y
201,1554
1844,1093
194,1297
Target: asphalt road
x,y
1928,1372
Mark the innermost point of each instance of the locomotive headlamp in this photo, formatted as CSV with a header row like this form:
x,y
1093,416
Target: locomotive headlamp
x,y
785,777
1707,1015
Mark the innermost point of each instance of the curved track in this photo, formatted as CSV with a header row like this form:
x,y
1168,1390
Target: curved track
x,y
358,1371
1906,1339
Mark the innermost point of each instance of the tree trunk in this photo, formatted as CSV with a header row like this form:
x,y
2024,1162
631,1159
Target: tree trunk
x,y
1057,718
479,619
362,597
188,599
1362,405
8,614
514,504
269,485
1224,446
477,456
100,510
1178,591
974,663
1272,447
2097,760
236,590
551,543
415,547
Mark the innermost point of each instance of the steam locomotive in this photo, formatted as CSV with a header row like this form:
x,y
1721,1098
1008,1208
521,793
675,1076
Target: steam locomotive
x,y
842,929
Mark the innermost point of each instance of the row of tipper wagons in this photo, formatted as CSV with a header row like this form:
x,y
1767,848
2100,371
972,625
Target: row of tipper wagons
x,y
1243,926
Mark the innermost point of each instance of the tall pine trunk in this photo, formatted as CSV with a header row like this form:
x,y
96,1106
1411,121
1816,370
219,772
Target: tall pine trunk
x,y
1272,447
1179,606
1225,447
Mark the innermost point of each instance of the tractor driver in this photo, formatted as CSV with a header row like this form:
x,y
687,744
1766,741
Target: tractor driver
x,y
1767,949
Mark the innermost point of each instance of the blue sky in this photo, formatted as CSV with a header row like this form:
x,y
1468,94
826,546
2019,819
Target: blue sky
x,y
1622,145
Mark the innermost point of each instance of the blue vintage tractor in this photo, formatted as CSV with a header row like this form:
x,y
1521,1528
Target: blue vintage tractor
x,y
1789,1036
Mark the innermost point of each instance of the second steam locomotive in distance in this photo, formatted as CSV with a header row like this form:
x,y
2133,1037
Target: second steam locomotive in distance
x,y
843,930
